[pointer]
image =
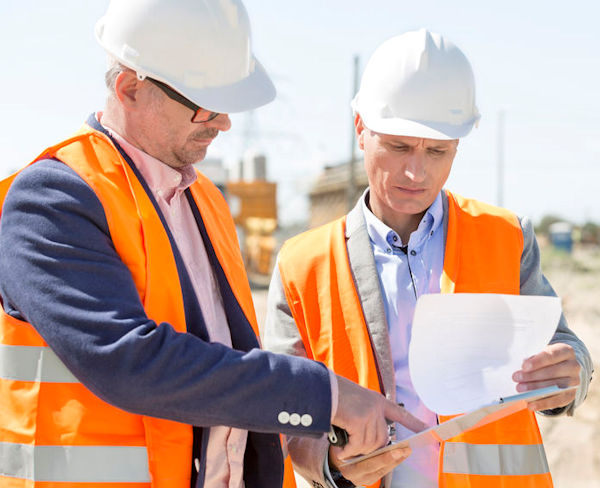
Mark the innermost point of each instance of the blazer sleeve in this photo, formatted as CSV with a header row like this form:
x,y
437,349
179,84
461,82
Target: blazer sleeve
x,y
533,282
59,271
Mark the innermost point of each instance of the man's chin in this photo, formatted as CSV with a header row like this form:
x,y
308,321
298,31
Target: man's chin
x,y
193,157
414,206
410,208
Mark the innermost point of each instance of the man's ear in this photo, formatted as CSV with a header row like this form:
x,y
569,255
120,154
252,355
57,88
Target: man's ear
x,y
127,86
360,131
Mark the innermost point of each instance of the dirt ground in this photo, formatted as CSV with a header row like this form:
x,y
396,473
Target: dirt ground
x,y
572,443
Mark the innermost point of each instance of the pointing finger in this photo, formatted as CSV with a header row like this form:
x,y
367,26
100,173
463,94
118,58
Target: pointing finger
x,y
396,413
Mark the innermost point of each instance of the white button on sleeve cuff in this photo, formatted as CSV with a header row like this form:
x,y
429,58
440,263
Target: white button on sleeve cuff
x,y
306,420
283,417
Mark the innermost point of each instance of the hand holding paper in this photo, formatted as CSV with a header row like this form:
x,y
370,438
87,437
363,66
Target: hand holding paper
x,y
372,469
555,365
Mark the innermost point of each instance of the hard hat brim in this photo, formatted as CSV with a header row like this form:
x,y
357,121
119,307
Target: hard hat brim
x,y
413,128
252,92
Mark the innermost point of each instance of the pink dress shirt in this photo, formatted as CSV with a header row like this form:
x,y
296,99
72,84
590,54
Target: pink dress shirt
x,y
226,445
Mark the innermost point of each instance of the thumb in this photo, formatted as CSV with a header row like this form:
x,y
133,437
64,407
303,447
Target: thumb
x,y
396,413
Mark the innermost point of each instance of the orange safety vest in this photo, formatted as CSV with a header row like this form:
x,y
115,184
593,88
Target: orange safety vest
x,y
483,250
55,432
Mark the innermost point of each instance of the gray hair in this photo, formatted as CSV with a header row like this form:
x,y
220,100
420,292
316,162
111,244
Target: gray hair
x,y
113,70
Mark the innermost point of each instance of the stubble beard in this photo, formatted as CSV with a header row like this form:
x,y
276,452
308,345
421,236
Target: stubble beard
x,y
191,153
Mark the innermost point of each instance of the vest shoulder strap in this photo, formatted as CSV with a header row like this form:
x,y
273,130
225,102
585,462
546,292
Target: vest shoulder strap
x,y
484,244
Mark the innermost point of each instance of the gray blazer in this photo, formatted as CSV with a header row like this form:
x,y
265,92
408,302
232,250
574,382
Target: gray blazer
x,y
281,335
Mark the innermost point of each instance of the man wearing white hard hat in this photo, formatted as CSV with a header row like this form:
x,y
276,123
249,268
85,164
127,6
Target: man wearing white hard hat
x,y
128,349
345,293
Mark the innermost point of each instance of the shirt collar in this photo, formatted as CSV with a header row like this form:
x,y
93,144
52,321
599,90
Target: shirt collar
x,y
382,236
160,177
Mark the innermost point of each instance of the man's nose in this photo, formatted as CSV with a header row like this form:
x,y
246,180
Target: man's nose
x,y
415,167
222,123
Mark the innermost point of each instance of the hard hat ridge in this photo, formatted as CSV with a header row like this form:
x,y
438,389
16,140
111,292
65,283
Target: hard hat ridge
x,y
418,84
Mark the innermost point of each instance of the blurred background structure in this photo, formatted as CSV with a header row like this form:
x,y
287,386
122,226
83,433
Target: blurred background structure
x,y
286,166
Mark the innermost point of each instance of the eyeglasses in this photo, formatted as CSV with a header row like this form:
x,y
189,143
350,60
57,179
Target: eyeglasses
x,y
200,114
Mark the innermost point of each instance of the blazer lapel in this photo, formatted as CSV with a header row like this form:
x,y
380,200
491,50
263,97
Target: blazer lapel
x,y
366,280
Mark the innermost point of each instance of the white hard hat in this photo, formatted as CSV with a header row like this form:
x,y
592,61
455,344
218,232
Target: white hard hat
x,y
418,84
201,48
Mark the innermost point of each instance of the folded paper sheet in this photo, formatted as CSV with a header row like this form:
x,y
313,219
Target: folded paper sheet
x,y
465,347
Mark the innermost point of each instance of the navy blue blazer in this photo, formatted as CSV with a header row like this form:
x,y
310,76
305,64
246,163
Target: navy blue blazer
x,y
59,271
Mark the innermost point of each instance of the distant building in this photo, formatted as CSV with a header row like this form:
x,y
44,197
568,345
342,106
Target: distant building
x,y
329,195
253,166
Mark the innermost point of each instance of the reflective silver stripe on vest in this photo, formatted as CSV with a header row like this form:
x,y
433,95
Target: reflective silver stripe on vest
x,y
494,460
75,464
28,363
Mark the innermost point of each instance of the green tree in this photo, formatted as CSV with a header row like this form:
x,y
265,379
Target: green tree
x,y
590,233
546,222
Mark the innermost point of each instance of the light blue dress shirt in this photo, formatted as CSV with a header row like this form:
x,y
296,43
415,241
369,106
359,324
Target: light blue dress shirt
x,y
407,271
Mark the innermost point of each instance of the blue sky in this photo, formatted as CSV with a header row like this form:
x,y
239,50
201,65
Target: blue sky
x,y
539,62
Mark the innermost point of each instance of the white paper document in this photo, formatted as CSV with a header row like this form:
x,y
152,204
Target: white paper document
x,y
465,347
463,352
